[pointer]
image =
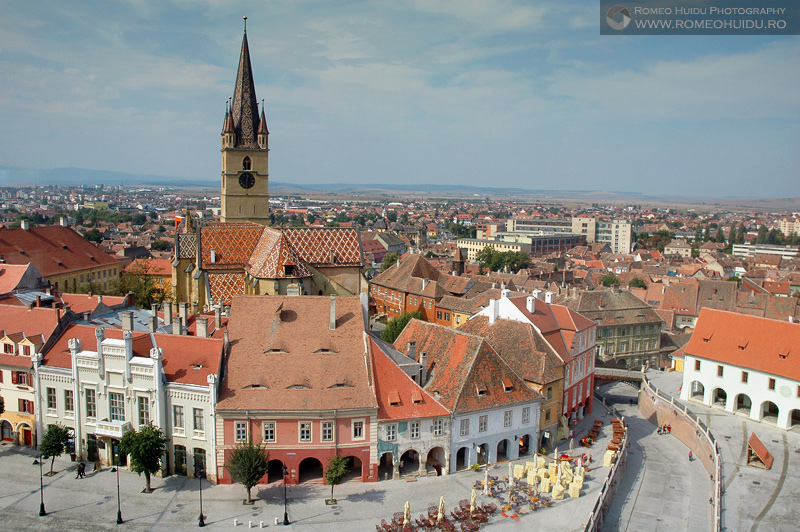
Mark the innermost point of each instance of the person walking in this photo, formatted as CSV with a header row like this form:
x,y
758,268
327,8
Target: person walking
x,y
82,469
690,456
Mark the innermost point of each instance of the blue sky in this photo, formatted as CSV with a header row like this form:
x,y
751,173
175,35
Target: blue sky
x,y
479,92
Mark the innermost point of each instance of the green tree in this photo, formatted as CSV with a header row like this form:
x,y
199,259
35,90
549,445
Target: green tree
x,y
391,216
145,287
637,283
160,245
740,232
763,232
247,463
609,280
336,470
389,260
93,235
396,326
486,257
145,446
139,219
54,442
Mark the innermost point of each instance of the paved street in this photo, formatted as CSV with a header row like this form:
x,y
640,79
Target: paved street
x,y
91,504
753,499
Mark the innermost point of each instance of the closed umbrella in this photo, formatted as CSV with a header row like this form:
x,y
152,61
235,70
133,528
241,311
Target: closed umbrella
x,y
407,515
486,480
571,445
440,515
472,502
510,473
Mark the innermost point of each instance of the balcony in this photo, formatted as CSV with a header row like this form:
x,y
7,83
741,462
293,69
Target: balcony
x,y
113,429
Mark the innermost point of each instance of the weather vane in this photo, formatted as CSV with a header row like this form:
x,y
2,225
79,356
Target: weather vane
x,y
245,23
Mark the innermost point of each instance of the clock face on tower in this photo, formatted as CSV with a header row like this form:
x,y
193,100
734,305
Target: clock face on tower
x,y
246,180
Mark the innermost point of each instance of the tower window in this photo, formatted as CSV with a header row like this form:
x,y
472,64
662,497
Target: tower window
x,y
246,164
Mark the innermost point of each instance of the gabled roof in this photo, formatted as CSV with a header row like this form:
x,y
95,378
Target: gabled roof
x,y
761,344
52,249
408,400
11,276
271,256
466,374
414,274
611,308
285,357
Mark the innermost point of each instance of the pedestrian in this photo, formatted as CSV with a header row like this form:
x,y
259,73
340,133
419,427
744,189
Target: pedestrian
x,y
82,469
669,429
659,431
690,456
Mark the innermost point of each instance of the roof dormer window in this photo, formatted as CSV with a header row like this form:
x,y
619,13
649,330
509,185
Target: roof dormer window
x,y
507,385
480,389
394,398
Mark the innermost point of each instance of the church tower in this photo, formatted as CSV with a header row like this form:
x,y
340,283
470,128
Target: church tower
x,y
245,150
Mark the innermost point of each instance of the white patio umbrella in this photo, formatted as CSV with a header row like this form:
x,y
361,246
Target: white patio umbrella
x,y
510,473
407,514
440,515
571,445
472,502
486,480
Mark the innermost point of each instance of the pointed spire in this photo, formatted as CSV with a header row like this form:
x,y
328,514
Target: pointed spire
x,y
244,107
262,121
227,117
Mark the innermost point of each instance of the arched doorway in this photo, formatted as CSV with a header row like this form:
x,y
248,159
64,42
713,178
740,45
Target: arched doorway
x,y
274,471
502,451
743,404
769,412
8,431
436,459
462,461
483,453
409,462
794,418
26,436
697,392
525,448
353,469
310,469
385,466
719,397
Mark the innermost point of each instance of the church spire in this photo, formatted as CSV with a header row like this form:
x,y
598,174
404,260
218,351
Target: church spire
x,y
244,106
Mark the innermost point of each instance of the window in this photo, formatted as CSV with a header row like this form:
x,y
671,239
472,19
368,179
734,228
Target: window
x,y
240,431
305,431
438,314
269,431
549,392
20,378
200,462
358,430
465,427
24,406
246,163
458,319
438,426
744,377
177,420
719,370
697,365
526,415
391,432
144,410
327,431
547,415
198,423
771,384
507,418
116,403
51,402
91,405
483,423
415,430
69,403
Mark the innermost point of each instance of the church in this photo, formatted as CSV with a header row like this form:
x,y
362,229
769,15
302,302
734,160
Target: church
x,y
241,254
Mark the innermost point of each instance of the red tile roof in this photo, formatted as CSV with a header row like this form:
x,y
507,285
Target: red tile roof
x,y
10,276
762,344
399,397
284,356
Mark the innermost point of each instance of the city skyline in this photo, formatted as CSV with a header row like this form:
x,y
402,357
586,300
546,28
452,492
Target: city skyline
x,y
474,93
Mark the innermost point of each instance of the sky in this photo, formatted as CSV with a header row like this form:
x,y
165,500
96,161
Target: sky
x,y
499,93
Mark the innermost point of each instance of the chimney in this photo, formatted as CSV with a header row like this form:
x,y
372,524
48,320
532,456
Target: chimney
x,y
167,312
333,257
100,334
493,310
38,301
537,293
184,326
153,323
62,222
202,326
423,363
425,283
332,325
176,327
183,311
505,292
548,297
127,336
127,320
87,315
24,225
218,315
412,350
530,303
154,309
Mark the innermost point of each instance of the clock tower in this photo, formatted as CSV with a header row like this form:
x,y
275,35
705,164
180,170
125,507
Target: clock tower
x,y
245,151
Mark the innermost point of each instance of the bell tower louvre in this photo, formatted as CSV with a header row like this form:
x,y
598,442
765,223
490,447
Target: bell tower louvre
x,y
245,150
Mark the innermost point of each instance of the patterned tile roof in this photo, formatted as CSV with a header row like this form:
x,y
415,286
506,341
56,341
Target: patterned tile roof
x,y
232,244
272,254
225,285
326,246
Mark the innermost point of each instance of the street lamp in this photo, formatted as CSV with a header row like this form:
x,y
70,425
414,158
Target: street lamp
x,y
285,513
199,474
41,484
116,470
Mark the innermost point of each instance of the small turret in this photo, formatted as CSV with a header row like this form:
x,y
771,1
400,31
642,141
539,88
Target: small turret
x,y
228,129
263,132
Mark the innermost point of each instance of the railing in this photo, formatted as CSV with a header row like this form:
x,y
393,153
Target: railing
x,y
702,435
114,429
614,372
598,515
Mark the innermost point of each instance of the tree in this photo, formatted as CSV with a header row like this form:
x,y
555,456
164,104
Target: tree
x,y
247,463
637,283
145,287
160,245
389,260
139,219
336,470
93,235
145,447
54,442
740,232
396,326
609,280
